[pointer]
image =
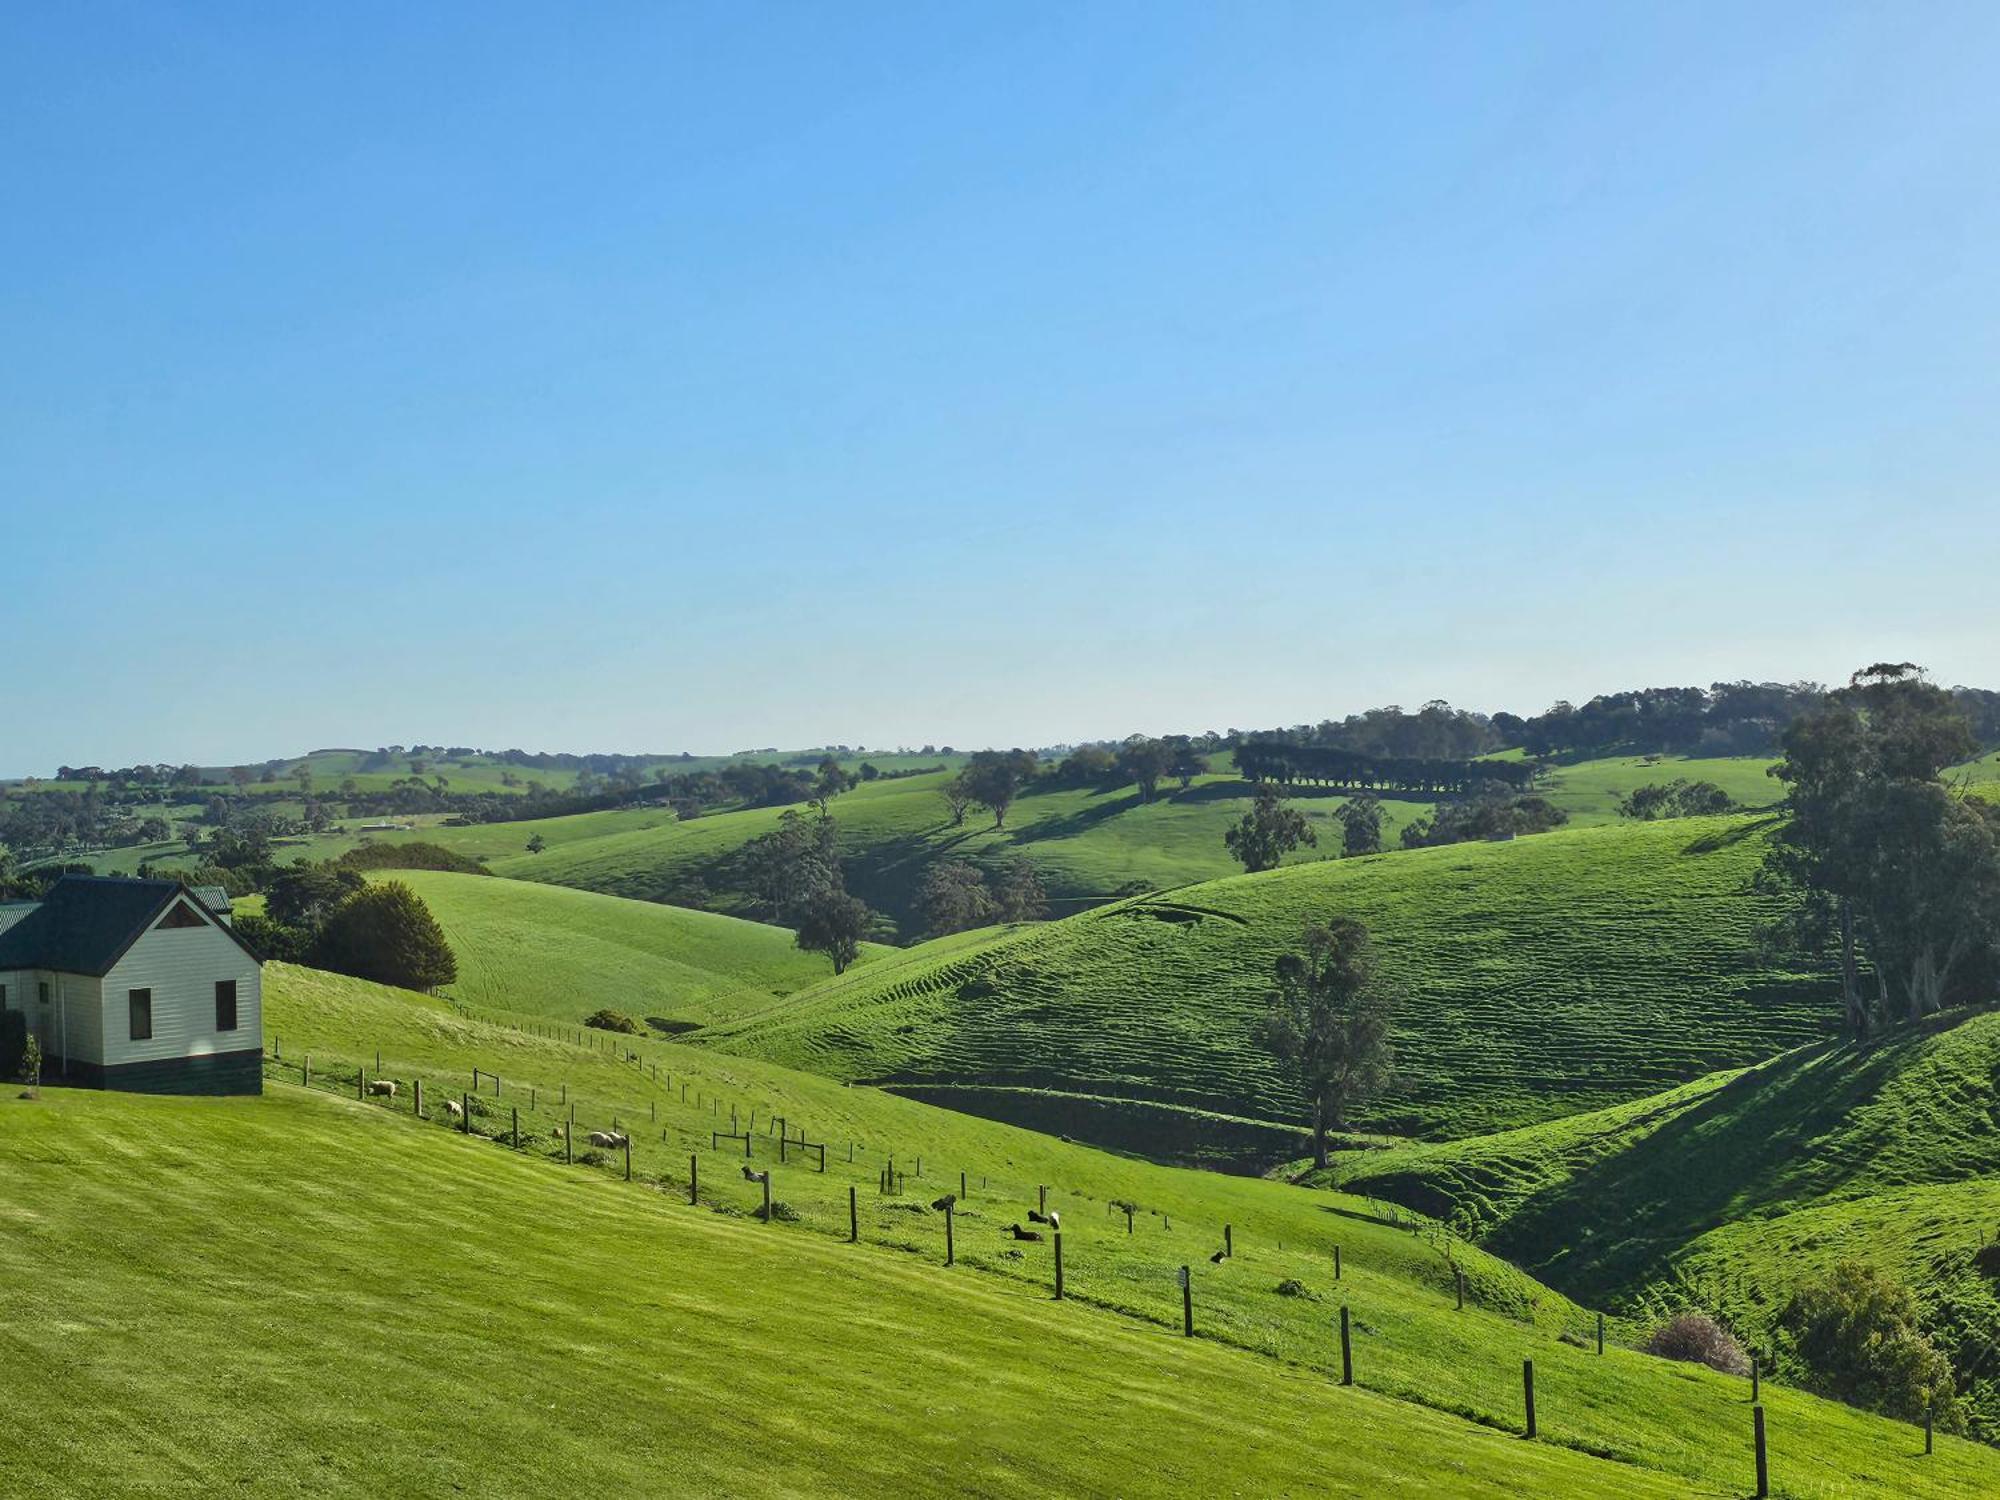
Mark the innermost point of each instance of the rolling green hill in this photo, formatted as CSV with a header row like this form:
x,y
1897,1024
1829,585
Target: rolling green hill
x,y
551,951
1729,1191
1542,977
516,1325
385,1309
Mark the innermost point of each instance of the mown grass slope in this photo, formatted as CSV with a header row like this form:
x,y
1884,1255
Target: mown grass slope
x,y
563,953
1541,977
454,1310
298,1295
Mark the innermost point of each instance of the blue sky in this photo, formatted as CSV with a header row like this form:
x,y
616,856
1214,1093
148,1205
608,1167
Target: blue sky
x,y
649,377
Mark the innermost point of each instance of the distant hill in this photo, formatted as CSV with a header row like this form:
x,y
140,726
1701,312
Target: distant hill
x,y
1544,976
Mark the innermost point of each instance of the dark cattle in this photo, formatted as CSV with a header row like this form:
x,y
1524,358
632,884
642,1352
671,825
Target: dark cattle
x,y
1024,1234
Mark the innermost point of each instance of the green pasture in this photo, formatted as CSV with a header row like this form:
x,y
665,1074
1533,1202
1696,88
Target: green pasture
x,y
547,950
1540,977
487,1292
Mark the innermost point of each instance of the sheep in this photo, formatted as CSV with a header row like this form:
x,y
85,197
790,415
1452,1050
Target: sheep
x,y
609,1139
453,1108
941,1204
1216,1259
1024,1234
384,1087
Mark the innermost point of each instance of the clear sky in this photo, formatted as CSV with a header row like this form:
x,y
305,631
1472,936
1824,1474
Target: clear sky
x,y
620,377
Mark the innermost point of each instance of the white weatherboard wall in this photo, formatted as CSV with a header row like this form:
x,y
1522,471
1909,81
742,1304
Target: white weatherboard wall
x,y
181,965
71,1024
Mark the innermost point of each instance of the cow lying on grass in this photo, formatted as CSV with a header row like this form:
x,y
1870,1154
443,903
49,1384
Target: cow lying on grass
x,y
610,1139
383,1088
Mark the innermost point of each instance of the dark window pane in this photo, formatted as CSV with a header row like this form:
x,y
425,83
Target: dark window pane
x,y
225,1005
142,1015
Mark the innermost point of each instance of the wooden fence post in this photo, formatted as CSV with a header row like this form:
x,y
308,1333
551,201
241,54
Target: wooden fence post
x,y
950,1253
1756,1383
1458,1277
361,1083
378,1062
628,1156
1346,1350
1128,1218
1600,1342
1528,1392
1059,1285
1042,1188
565,1093
961,1185
569,1154
416,1096
694,1177
1336,1262
1187,1304
465,1107
767,1195
531,1098
746,1145
1228,1241
306,1072
853,1217
1763,1461
782,1143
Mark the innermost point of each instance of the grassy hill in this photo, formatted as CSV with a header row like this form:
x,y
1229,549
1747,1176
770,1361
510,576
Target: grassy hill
x,y
515,1325
562,953
504,1329
1729,1191
1542,977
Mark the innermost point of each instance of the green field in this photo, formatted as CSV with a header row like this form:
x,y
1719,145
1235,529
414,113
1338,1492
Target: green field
x,y
489,1295
1589,791
547,950
1543,976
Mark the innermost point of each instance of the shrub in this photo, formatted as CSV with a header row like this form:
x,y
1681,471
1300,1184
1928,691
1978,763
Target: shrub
x,y
386,934
1291,1287
1986,1261
1853,1335
781,1212
273,940
614,1020
1699,1339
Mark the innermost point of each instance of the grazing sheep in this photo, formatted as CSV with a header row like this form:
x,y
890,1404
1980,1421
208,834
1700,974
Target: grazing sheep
x,y
1037,1218
383,1087
453,1108
1216,1259
610,1139
1024,1234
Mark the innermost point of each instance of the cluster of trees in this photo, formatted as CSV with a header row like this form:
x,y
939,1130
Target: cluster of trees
x,y
991,779
1141,760
332,918
1437,731
1489,810
1324,765
957,895
1888,865
794,870
1679,798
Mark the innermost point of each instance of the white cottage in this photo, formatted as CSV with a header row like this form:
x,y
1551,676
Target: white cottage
x,y
135,984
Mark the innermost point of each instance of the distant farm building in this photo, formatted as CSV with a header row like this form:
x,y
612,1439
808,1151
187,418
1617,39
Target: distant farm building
x,y
133,984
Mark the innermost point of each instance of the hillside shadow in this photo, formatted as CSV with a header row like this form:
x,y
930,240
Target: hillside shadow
x,y
1764,1140
1070,825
